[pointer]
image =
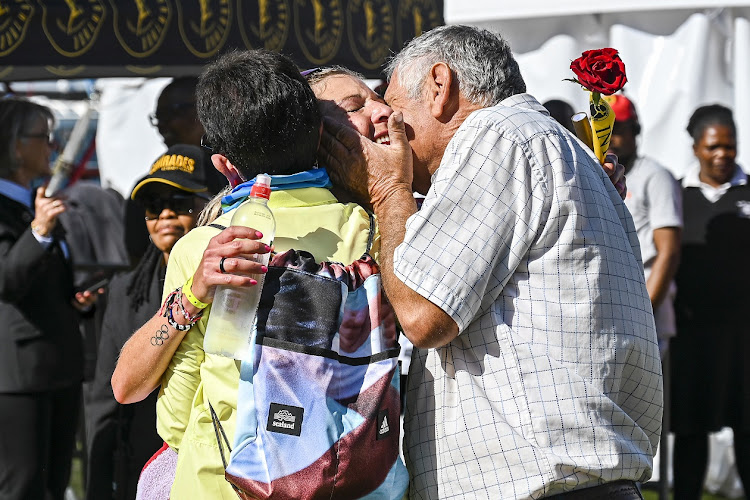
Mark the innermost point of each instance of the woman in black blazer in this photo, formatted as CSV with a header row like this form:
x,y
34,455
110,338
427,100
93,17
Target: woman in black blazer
x,y
40,343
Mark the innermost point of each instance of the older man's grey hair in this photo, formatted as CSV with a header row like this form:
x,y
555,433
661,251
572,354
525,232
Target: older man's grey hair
x,y
481,61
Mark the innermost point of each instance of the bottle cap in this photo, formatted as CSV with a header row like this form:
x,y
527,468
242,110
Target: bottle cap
x,y
262,187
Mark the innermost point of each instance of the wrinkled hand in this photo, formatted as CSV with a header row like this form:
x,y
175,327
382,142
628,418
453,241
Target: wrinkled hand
x,y
616,173
368,170
239,246
46,211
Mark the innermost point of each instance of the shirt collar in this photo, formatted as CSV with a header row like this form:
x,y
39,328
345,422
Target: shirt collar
x,y
524,100
711,193
16,192
692,178
302,197
315,178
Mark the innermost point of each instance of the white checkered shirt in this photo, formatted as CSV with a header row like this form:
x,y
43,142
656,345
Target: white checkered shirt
x,y
554,382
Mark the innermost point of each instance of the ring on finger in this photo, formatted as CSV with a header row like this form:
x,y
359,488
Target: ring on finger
x,y
221,265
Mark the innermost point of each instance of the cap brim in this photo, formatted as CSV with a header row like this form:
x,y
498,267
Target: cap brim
x,y
185,186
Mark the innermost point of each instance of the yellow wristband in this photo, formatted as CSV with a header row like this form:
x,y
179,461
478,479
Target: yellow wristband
x,y
188,293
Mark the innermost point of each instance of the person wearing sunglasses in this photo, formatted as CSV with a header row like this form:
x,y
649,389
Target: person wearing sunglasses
x,y
177,122
41,353
123,437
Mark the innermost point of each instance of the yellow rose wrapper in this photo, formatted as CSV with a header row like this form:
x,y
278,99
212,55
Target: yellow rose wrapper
x,y
602,121
582,127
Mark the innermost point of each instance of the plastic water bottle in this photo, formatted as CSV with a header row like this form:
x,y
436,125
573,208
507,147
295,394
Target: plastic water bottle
x,y
233,313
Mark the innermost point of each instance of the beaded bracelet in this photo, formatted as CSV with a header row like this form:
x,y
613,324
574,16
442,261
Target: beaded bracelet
x,y
174,324
190,319
187,290
167,312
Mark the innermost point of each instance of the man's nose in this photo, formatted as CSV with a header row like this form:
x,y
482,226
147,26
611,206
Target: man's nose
x,y
381,112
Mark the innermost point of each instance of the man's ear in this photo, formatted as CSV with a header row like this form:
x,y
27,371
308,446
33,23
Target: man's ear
x,y
225,167
443,95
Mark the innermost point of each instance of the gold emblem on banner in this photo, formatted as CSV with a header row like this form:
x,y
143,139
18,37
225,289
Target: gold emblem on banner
x,y
205,36
15,17
144,70
415,17
65,71
74,32
319,25
272,28
141,25
5,71
370,27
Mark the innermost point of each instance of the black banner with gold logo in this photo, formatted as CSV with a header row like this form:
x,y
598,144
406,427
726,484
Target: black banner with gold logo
x,y
41,39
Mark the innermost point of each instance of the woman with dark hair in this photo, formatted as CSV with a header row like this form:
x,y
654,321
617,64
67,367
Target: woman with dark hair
x,y
710,376
123,437
41,355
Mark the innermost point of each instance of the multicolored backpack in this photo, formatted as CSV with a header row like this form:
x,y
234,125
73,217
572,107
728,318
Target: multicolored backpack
x,y
318,412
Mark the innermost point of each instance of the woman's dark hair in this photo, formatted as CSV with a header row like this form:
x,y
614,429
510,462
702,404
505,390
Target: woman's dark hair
x,y
17,116
259,112
706,116
140,283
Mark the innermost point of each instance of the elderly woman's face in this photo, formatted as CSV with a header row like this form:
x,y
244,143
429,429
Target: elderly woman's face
x,y
716,151
349,101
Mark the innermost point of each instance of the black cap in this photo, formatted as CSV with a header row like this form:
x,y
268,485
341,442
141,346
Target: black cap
x,y
183,166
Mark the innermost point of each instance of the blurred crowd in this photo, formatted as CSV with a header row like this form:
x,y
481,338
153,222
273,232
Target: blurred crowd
x,y
82,270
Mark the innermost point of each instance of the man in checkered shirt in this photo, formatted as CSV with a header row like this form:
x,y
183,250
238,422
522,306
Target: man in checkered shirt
x,y
520,280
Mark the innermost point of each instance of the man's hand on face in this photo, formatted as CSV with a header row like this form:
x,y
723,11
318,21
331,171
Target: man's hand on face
x,y
616,173
370,171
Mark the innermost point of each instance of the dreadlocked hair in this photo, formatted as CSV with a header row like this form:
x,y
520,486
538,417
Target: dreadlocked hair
x,y
140,284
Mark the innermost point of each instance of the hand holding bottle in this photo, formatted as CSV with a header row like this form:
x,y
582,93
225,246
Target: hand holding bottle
x,y
230,327
237,245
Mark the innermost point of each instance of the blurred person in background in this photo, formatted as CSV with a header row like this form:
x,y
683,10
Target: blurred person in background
x,y
41,356
175,116
655,203
123,437
710,373
562,112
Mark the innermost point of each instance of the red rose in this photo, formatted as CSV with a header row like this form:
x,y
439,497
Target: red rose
x,y
600,70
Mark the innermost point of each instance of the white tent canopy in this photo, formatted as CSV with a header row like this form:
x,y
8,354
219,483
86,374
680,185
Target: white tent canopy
x,y
678,55
471,11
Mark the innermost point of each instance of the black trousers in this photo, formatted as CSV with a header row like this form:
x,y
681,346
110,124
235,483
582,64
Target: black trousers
x,y
37,438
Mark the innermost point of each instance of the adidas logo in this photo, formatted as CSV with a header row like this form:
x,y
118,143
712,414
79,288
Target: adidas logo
x,y
384,429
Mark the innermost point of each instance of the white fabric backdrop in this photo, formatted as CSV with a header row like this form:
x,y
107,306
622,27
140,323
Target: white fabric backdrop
x,y
126,143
